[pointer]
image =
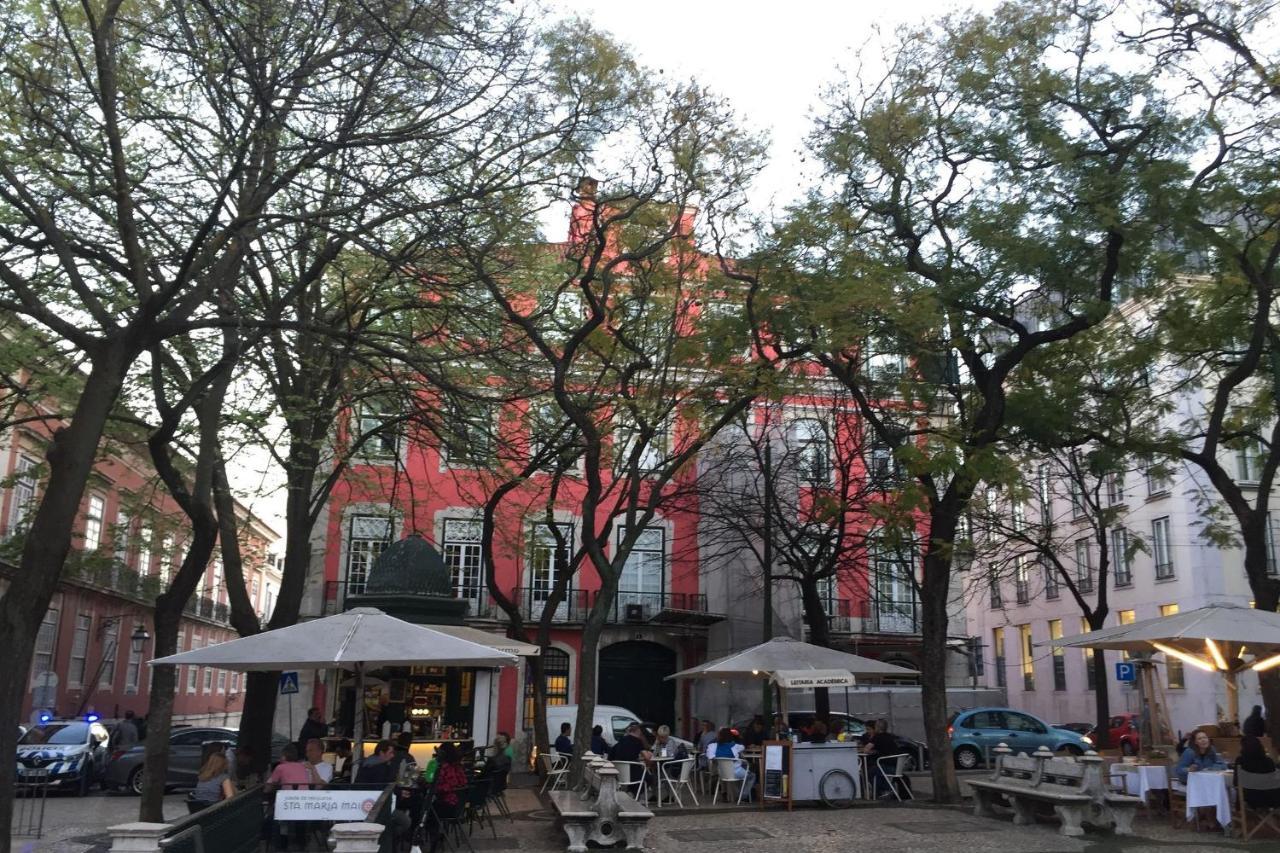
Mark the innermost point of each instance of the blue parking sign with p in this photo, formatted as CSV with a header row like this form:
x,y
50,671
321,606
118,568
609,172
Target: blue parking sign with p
x,y
1126,671
288,683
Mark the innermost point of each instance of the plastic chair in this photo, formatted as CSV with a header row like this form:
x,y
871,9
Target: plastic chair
x,y
556,768
638,784
1263,815
899,775
727,773
681,780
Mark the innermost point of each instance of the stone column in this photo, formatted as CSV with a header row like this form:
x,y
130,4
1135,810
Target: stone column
x,y
357,837
138,837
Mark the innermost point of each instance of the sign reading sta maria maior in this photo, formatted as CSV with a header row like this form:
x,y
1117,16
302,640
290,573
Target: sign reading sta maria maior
x,y
342,806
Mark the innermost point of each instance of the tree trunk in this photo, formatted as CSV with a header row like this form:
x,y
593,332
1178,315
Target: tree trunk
x,y
1266,591
935,594
71,455
1101,688
164,680
588,667
815,616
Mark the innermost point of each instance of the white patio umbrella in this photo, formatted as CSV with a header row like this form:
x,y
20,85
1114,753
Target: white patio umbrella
x,y
788,655
358,639
1225,638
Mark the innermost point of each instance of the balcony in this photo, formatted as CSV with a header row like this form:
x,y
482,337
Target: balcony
x,y
875,616
207,608
656,608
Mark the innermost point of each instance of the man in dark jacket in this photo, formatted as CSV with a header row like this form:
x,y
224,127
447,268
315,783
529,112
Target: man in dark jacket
x,y
376,769
630,747
313,727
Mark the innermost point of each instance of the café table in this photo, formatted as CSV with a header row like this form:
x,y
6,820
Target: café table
x,y
659,772
1210,789
1140,779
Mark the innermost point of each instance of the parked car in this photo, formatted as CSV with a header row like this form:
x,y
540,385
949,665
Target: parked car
x,y
1123,733
1078,728
73,752
976,731
186,748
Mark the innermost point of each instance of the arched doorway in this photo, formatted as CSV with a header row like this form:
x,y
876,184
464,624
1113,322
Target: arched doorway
x,y
632,675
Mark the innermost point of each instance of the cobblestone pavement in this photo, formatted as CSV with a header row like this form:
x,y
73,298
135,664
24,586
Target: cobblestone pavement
x,y
75,825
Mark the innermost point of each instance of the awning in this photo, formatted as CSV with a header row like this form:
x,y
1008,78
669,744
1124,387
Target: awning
x,y
494,641
804,678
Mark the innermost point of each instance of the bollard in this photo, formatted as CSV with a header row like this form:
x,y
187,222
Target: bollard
x,y
357,837
138,837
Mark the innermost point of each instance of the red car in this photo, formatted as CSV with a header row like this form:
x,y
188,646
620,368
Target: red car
x,y
1124,733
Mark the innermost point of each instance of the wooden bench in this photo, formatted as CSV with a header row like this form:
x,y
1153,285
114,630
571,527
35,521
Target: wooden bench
x,y
1073,788
601,813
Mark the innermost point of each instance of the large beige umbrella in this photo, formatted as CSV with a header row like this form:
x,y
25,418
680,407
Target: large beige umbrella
x,y
788,655
358,639
1225,638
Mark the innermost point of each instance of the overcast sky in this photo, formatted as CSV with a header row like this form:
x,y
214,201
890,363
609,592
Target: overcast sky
x,y
771,59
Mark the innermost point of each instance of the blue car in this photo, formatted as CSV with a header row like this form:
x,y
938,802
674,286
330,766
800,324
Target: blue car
x,y
977,731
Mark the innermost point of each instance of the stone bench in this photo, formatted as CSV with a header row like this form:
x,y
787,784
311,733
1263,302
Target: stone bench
x,y
601,813
1073,788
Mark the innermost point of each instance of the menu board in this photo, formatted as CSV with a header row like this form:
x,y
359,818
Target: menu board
x,y
775,781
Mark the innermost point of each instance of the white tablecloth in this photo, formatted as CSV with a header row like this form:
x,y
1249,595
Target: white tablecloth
x,y
1138,779
1210,789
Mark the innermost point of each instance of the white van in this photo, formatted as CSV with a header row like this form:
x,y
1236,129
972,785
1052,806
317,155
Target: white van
x,y
611,718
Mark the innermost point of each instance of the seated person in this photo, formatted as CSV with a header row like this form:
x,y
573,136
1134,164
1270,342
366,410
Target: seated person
x,y
598,745
291,772
1254,759
1199,755
817,733
403,741
342,760
497,764
755,734
321,770
214,783
631,746
725,746
883,744
564,744
666,747
376,769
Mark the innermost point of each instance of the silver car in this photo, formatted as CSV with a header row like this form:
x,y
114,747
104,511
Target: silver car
x,y
186,749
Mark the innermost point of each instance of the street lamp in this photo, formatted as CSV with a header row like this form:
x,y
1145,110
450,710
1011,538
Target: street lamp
x,y
139,638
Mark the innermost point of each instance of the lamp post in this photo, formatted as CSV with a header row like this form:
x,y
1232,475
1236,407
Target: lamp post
x,y
139,638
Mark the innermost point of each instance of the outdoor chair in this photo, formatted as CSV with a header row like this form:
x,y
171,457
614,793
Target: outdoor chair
x,y
633,777
556,768
726,774
1262,815
1177,799
450,826
894,770
676,779
498,794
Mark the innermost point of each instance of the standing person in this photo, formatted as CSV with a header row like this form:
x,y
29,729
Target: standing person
x,y
598,745
127,732
564,743
312,727
1254,724
321,770
725,746
213,785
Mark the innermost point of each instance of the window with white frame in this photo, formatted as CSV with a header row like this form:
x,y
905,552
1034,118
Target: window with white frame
x,y
1158,481
469,433
46,643
460,547
552,438
643,576
368,536
1120,557
1018,516
1115,488
167,559
1161,550
884,469
1077,495
549,557
144,550
379,428
1021,580
254,588
1052,587
631,440
93,522
1084,565
1271,546
882,363
1044,496
193,672
121,538
222,681
79,649
207,687
810,445
23,493
110,644
1248,461
219,581
133,672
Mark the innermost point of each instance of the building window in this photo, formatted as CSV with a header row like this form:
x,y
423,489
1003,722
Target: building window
x,y
555,675
1052,587
896,599
997,601
630,437
882,364
1120,557
1115,489
133,672
144,550
1160,548
1077,495
23,493
1044,496
644,573
120,538
1175,678
46,641
997,648
886,470
215,591
976,655
1022,581
1028,658
379,426
254,588
1018,516
1084,566
1249,461
368,537
167,559
110,643
1089,675
1059,656
193,672
468,438
79,649
552,441
93,523
208,681
222,681
460,546
810,445
1158,481
1270,533
549,558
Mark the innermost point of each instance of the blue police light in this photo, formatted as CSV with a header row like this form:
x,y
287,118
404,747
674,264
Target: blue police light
x,y
44,718
91,718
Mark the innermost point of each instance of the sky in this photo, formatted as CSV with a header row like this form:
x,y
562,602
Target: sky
x,y
772,60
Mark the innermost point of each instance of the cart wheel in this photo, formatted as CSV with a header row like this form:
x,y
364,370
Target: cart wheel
x,y
837,789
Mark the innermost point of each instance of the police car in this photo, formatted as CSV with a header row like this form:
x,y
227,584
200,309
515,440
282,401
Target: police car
x,y
71,752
